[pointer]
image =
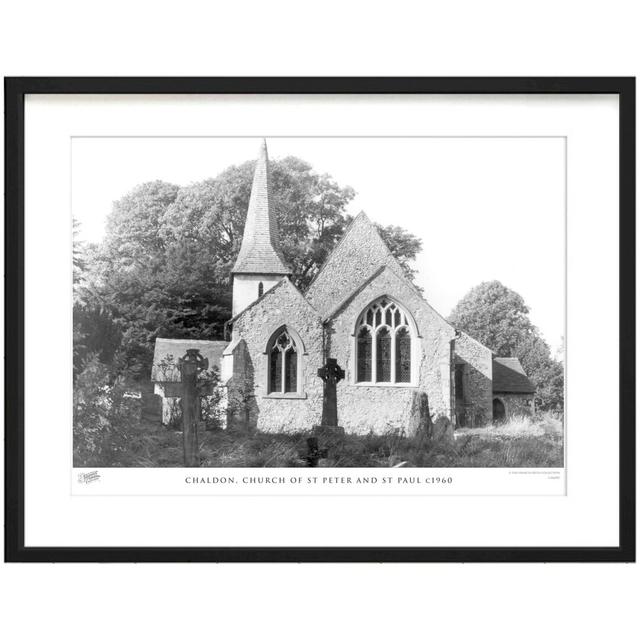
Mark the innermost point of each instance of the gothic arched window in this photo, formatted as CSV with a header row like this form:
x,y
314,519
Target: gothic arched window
x,y
383,344
383,355
260,289
283,363
364,355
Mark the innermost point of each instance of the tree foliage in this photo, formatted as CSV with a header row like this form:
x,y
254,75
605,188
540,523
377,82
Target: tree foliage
x,y
164,268
498,317
403,245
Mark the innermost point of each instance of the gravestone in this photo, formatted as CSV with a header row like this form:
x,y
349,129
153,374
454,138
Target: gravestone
x,y
166,378
331,374
190,366
172,396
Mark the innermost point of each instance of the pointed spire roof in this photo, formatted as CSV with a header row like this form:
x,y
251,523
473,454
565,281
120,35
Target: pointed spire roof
x,y
260,249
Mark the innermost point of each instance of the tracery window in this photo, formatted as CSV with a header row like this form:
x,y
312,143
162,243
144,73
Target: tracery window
x,y
383,355
383,344
283,363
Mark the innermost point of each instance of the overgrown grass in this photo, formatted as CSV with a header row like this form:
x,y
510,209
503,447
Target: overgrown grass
x,y
523,442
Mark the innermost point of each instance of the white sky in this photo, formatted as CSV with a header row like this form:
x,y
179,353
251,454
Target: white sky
x,y
485,208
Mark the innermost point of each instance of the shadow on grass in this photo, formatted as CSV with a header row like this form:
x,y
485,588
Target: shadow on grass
x,y
534,443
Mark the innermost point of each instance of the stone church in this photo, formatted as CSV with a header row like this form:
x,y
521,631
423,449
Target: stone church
x,y
405,366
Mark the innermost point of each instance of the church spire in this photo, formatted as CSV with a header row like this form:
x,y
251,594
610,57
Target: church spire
x,y
260,251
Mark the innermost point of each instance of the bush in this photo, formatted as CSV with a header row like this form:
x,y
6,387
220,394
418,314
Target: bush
x,y
103,412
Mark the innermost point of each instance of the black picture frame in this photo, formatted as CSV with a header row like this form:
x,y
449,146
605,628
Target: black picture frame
x,y
15,91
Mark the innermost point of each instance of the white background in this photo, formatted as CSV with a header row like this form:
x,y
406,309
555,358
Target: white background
x,y
463,38
586,516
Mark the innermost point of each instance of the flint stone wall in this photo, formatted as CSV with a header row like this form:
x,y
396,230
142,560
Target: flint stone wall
x,y
245,288
356,257
281,306
475,409
366,408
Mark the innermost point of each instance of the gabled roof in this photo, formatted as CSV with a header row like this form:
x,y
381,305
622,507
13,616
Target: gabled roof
x,y
284,282
509,377
260,250
345,301
167,351
463,336
360,252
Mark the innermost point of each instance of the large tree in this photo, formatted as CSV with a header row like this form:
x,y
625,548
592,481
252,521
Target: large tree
x,y
164,268
499,318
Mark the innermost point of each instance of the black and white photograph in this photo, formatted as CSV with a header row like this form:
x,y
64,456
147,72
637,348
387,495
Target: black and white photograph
x,y
362,301
386,323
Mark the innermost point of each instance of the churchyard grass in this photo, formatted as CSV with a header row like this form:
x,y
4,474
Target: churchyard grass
x,y
521,442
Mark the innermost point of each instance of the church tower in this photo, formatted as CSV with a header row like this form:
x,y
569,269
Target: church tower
x,y
260,264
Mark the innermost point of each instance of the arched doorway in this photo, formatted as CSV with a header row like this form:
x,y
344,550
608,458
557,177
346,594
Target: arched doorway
x,y
499,412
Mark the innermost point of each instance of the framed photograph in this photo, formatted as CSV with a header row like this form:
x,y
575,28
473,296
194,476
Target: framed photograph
x,y
320,319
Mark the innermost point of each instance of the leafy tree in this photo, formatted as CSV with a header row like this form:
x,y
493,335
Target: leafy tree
x,y
498,317
133,235
546,373
102,415
95,335
164,268
79,261
208,218
126,285
403,245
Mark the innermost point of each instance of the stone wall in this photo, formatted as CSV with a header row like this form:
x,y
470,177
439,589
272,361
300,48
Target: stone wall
x,y
356,257
364,408
281,306
245,288
360,270
242,408
475,408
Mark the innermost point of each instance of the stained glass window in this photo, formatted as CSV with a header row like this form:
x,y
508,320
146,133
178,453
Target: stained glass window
x,y
383,355
283,364
383,344
290,370
403,355
388,315
364,355
275,377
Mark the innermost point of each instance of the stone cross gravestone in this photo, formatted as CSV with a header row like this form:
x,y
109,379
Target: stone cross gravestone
x,y
172,392
331,374
190,366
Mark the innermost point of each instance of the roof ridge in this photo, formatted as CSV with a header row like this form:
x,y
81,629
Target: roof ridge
x,y
269,291
370,278
361,216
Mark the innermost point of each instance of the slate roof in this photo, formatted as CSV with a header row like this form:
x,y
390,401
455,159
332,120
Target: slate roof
x,y
260,250
509,377
211,349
